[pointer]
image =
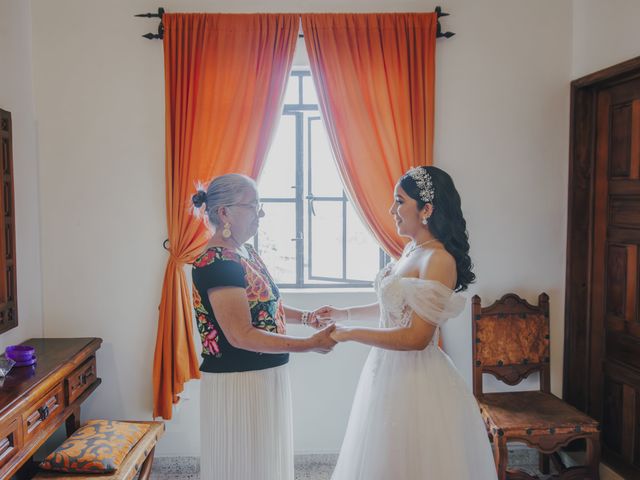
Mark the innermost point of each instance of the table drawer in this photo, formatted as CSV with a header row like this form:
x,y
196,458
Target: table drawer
x,y
10,440
43,413
81,379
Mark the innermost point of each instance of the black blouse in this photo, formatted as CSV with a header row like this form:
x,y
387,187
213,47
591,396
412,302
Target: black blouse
x,y
220,267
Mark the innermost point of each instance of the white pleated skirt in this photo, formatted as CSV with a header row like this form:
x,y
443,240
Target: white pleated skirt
x,y
246,430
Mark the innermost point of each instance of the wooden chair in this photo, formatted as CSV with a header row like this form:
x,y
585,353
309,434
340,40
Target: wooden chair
x,y
510,341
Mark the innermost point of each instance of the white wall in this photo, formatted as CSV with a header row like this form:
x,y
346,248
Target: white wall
x,y
16,96
604,34
501,131
502,109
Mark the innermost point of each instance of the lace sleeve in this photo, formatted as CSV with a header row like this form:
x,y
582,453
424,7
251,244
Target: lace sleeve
x,y
432,301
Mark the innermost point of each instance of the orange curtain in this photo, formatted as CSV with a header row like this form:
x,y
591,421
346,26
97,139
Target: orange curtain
x,y
225,77
374,74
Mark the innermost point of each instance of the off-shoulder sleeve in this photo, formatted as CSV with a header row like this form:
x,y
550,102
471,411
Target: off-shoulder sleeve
x,y
431,300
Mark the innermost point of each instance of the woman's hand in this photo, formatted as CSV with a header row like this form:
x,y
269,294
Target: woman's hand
x,y
327,315
341,334
321,342
310,319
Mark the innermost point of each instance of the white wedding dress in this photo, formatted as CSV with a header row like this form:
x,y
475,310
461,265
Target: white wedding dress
x,y
413,416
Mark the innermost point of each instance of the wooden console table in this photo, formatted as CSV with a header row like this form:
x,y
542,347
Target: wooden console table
x,y
35,401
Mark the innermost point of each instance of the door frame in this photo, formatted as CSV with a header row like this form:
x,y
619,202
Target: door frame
x,y
578,373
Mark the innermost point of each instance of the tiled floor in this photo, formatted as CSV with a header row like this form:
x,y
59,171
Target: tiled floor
x,y
308,467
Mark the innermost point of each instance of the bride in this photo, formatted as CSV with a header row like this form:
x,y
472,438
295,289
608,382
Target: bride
x,y
413,416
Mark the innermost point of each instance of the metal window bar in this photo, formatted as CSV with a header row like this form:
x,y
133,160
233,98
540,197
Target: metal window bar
x,y
343,279
299,198
300,111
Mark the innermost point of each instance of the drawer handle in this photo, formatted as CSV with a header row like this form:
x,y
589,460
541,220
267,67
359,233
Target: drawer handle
x,y
44,413
85,376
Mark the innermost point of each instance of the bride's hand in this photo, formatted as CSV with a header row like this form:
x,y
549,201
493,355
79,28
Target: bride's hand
x,y
328,314
340,334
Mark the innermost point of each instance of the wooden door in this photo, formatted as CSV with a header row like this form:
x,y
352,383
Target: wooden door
x,y
602,347
615,336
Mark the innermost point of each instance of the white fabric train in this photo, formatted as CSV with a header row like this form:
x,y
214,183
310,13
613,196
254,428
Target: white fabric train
x,y
413,416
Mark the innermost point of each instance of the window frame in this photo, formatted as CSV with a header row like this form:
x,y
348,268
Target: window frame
x,y
298,111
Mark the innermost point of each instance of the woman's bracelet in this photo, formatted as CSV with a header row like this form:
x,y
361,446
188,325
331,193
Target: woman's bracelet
x,y
304,317
348,314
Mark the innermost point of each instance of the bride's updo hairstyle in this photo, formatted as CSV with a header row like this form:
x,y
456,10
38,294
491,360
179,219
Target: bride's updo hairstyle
x,y
222,191
446,223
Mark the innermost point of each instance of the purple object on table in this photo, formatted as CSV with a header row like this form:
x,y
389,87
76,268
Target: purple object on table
x,y
26,363
20,353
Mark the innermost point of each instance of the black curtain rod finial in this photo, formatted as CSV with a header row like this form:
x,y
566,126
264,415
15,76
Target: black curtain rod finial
x,y
439,32
160,34
152,15
440,13
152,36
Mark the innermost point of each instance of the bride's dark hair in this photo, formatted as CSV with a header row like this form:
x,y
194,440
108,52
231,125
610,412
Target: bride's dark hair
x,y
446,223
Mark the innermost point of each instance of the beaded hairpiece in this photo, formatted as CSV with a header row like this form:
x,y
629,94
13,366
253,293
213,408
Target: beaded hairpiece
x,y
424,183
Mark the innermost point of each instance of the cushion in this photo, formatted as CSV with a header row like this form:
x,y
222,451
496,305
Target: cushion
x,y
98,447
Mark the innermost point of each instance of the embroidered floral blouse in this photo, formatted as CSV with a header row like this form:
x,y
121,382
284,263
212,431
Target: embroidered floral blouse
x,y
219,267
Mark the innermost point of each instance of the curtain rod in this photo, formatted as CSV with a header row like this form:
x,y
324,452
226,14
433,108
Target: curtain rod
x,y
160,34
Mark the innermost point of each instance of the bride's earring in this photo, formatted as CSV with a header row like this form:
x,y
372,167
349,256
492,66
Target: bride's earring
x,y
226,231
425,221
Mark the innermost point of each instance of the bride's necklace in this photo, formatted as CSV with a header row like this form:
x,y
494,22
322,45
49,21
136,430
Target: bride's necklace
x,y
417,246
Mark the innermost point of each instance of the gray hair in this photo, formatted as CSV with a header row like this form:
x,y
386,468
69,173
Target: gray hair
x,y
222,191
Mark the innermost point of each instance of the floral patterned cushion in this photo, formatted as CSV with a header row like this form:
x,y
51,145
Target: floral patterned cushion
x,y
98,447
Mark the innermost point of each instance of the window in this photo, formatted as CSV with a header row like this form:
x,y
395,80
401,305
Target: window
x,y
311,235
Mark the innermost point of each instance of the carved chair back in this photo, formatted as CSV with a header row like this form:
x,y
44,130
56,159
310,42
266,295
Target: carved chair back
x,y
511,340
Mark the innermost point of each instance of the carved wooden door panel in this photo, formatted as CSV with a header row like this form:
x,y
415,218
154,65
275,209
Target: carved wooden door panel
x,y
615,333
8,296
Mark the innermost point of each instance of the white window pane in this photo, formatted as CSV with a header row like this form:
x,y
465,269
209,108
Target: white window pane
x,y
325,180
310,96
326,240
279,172
323,241
277,228
291,94
363,254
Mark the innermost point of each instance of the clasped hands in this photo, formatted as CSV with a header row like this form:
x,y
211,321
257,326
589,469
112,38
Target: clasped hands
x,y
325,316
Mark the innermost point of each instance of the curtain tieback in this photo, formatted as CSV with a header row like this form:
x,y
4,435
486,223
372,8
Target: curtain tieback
x,y
172,256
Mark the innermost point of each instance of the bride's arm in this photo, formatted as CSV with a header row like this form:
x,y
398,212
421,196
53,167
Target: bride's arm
x,y
364,312
416,336
329,314
419,332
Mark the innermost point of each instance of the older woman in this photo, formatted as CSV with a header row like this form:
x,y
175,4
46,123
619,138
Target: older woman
x,y
245,403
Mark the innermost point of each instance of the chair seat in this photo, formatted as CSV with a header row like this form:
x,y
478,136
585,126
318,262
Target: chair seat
x,y
137,463
532,413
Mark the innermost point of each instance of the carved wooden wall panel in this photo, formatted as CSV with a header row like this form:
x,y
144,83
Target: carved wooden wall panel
x,y
8,293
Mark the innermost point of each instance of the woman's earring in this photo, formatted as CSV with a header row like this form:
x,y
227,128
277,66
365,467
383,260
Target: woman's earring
x,y
425,221
226,231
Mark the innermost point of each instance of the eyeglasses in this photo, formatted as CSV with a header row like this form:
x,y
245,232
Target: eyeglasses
x,y
257,207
